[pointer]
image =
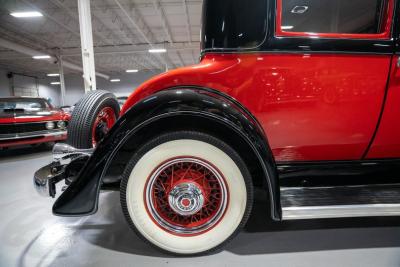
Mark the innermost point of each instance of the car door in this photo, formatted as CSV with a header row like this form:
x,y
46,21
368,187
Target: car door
x,y
386,141
331,68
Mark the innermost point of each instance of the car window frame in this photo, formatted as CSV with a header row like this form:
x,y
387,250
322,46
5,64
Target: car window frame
x,y
385,35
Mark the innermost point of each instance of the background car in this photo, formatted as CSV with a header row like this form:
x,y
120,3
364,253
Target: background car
x,y
30,120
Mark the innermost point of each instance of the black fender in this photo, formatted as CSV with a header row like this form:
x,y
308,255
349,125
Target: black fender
x,y
81,197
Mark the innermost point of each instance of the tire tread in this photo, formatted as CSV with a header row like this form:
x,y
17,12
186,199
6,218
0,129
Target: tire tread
x,y
84,114
187,135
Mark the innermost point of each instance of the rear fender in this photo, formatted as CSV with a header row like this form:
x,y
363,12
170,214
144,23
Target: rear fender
x,y
81,197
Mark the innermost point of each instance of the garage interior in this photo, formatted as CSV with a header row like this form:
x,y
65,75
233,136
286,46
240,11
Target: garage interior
x,y
124,35
134,40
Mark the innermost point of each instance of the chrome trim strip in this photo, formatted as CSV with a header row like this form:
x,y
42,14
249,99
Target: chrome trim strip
x,y
30,122
340,211
31,135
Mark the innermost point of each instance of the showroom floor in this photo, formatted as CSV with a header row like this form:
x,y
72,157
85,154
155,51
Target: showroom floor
x,y
31,236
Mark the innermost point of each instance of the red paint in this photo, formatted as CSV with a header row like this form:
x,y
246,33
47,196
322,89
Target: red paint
x,y
181,173
311,106
53,115
387,140
107,117
185,202
31,141
384,35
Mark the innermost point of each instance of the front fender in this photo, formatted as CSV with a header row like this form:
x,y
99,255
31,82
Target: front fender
x,y
81,197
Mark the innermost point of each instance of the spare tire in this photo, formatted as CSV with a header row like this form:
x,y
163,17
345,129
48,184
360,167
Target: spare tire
x,y
92,118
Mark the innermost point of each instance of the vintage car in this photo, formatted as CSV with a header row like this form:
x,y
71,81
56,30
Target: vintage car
x,y
299,98
30,121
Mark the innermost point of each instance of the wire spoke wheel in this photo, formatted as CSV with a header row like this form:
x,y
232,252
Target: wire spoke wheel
x,y
186,196
186,192
103,123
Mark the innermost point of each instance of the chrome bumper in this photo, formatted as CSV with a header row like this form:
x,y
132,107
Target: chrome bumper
x,y
63,151
12,137
45,179
66,164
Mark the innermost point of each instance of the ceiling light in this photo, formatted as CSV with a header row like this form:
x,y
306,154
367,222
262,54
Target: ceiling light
x,y
55,83
286,27
158,50
115,80
130,71
41,57
53,74
29,14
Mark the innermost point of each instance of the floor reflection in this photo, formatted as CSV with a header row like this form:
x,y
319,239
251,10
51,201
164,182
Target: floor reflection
x,y
261,236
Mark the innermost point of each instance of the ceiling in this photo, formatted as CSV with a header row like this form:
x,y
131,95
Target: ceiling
x,y
123,31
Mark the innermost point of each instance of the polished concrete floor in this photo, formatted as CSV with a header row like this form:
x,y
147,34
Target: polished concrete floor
x,y
31,236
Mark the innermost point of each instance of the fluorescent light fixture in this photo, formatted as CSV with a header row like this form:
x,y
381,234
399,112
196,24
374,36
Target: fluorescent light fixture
x,y
158,50
55,83
41,57
53,74
115,80
131,71
286,27
28,14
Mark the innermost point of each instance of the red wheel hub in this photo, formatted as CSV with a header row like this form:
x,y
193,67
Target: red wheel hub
x,y
185,202
186,196
103,123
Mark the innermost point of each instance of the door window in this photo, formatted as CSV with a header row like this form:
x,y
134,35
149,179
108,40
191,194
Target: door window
x,y
335,18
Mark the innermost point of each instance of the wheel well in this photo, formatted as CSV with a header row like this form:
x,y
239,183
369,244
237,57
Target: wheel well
x,y
176,123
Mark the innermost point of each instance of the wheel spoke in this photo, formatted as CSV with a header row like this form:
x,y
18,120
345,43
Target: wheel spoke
x,y
187,195
106,118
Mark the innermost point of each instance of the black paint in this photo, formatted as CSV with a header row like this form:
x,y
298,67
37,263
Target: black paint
x,y
81,197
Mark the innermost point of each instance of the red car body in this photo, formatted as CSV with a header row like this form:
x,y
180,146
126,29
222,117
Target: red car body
x,y
312,105
323,104
19,126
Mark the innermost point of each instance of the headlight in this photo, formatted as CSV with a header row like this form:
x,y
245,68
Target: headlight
x,y
50,125
61,125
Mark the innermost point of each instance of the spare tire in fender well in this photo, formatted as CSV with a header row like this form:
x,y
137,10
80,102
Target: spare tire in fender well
x,y
85,114
181,104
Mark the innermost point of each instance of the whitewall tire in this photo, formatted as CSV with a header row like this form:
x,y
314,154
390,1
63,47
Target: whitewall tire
x,y
186,192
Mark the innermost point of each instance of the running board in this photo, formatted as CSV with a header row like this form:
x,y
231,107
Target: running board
x,y
340,201
340,211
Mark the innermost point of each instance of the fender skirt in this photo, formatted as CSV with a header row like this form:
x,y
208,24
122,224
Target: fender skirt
x,y
82,195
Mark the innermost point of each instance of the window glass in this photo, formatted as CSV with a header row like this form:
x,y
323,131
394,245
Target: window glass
x,y
28,104
234,23
333,16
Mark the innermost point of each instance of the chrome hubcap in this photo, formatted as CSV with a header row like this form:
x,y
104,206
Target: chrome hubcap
x,y
186,199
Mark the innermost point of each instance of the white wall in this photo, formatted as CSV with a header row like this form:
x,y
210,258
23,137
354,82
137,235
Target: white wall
x,y
128,83
74,85
45,89
50,92
4,84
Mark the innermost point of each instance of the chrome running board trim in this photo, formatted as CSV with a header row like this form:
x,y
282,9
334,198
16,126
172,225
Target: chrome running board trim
x,y
340,211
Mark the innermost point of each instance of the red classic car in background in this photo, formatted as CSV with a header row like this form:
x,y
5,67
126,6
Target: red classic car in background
x,y
26,121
